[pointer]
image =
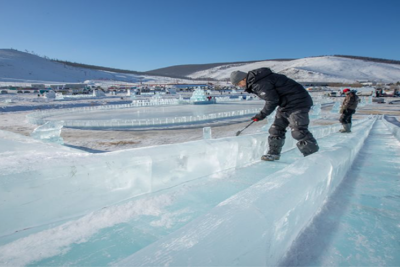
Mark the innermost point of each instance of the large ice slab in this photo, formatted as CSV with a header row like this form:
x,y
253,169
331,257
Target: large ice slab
x,y
131,225
49,132
257,226
359,224
38,180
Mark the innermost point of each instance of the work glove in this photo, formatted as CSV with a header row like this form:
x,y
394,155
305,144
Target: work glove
x,y
257,117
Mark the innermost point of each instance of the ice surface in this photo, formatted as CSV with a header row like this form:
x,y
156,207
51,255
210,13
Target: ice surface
x,y
359,225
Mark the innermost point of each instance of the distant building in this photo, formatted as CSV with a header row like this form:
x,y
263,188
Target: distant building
x,y
310,84
38,85
183,87
367,83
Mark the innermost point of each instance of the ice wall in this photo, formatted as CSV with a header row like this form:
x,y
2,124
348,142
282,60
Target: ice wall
x,y
287,202
88,182
395,130
315,111
16,148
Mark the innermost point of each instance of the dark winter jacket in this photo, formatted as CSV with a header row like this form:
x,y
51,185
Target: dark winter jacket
x,y
277,90
350,101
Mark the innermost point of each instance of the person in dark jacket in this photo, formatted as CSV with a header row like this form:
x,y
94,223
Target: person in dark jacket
x,y
293,103
347,110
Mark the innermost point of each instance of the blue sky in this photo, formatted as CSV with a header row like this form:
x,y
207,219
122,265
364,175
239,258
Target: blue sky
x,y
150,34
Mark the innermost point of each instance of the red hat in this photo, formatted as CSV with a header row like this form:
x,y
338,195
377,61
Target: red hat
x,y
346,90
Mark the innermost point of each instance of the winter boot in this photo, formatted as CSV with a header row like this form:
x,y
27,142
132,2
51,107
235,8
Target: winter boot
x,y
308,147
346,128
349,127
275,147
270,157
275,144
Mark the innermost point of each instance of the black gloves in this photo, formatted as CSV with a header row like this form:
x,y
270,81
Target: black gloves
x,y
258,117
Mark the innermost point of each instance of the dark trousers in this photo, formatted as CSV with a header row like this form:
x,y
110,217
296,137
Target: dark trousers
x,y
345,118
298,122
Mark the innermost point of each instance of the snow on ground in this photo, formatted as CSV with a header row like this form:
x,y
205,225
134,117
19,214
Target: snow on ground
x,y
317,69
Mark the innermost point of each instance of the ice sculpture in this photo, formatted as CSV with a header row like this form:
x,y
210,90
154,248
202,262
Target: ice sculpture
x,y
363,101
98,93
198,95
156,97
207,133
336,107
50,94
59,96
49,132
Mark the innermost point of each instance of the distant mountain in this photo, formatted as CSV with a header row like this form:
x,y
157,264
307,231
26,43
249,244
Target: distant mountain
x,y
17,66
147,73
187,70
342,69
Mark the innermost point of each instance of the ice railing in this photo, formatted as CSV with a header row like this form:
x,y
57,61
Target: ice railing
x,y
38,117
152,122
119,175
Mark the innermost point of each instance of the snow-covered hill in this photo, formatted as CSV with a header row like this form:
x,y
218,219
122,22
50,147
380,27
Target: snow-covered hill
x,y
315,69
17,66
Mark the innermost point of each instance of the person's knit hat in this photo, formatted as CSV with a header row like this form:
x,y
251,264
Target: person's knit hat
x,y
346,90
237,76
